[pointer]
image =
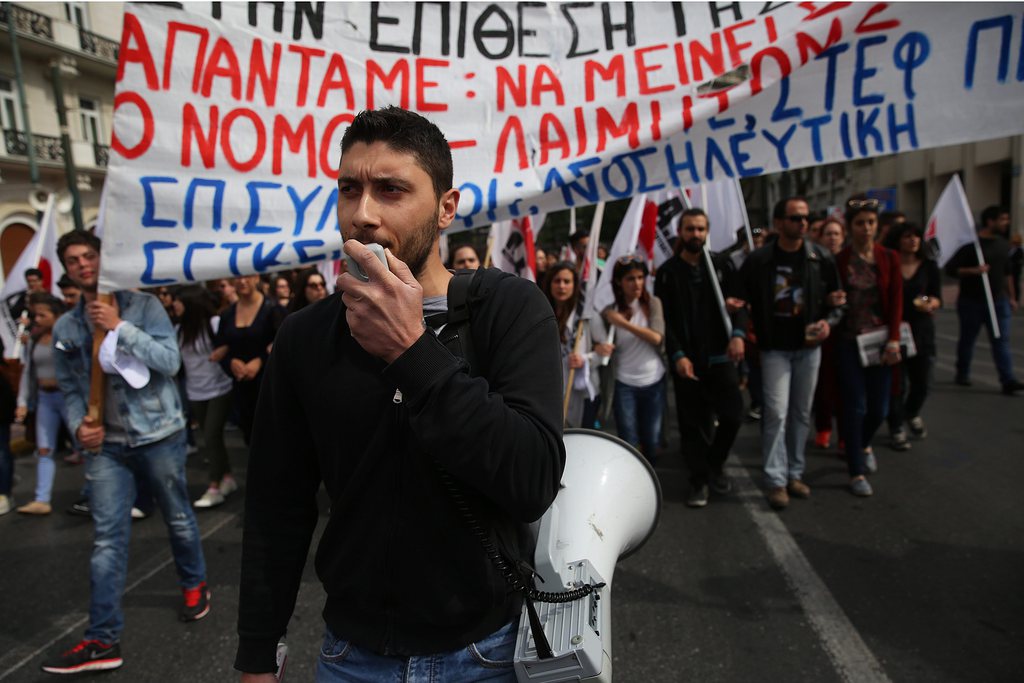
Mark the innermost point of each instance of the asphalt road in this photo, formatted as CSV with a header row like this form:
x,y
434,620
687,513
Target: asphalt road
x,y
923,581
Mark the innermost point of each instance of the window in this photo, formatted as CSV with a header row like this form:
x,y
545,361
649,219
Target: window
x,y
10,111
89,111
77,14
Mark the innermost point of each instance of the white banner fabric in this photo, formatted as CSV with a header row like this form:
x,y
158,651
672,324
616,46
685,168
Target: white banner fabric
x,y
228,115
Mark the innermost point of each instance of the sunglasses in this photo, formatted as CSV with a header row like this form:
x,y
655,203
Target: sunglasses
x,y
317,285
798,218
862,204
629,260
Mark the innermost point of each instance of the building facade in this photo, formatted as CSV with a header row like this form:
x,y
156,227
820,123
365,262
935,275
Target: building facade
x,y
81,40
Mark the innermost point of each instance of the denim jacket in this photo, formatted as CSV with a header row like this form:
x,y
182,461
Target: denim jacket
x,y
149,414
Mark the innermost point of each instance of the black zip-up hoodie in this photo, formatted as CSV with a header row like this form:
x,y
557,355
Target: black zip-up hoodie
x,y
402,573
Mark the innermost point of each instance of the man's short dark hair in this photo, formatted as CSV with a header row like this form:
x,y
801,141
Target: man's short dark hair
x,y
407,132
890,218
575,237
694,211
66,283
779,210
992,213
76,237
33,272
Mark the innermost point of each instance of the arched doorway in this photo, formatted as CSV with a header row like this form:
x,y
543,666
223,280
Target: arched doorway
x,y
14,237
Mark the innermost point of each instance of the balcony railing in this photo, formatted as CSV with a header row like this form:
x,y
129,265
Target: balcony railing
x,y
102,153
97,45
27,21
46,148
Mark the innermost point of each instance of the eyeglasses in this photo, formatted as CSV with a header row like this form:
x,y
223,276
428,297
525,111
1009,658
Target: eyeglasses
x,y
862,204
798,217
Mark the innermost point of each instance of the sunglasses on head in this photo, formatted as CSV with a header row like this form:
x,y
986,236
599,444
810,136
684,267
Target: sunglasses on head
x,y
862,204
630,260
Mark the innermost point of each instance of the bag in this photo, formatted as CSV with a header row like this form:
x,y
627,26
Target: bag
x,y
871,344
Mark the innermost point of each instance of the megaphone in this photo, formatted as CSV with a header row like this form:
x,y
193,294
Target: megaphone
x,y
607,508
37,198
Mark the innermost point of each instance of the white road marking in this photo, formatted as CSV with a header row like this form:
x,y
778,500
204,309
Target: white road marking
x,y
74,621
850,655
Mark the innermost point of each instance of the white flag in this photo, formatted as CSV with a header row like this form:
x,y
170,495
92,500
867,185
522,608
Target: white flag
x,y
41,253
625,243
725,210
512,245
951,223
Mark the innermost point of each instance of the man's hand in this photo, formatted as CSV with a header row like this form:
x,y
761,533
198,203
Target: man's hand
x,y
103,315
385,315
20,413
736,349
90,437
732,304
259,678
684,368
836,298
817,333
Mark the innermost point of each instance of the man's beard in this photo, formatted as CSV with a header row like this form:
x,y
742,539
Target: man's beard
x,y
693,245
414,251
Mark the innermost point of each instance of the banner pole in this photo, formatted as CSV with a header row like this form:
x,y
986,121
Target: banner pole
x,y
94,416
572,372
988,291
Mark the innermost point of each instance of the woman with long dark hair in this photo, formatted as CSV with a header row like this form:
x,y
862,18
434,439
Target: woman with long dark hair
x,y
922,296
310,287
242,344
207,387
870,275
579,353
638,367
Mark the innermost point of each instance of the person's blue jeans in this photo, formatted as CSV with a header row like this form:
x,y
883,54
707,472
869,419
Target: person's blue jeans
x,y
865,402
789,378
487,660
638,412
6,459
110,475
50,412
973,314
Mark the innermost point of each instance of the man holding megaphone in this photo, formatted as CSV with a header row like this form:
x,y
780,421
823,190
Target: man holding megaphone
x,y
434,426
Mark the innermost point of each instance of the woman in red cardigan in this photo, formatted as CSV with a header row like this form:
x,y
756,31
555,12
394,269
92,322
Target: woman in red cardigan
x,y
870,275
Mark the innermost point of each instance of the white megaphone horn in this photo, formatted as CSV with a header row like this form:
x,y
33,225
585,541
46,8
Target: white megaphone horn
x,y
607,508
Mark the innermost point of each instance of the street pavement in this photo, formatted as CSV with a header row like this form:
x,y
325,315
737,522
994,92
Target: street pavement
x,y
922,582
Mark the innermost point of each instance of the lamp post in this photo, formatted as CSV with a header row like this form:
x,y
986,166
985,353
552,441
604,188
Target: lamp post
x,y
56,65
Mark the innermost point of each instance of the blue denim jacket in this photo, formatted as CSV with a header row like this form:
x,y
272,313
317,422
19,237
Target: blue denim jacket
x,y
149,414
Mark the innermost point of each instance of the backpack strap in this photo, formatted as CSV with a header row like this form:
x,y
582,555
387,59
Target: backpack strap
x,y
456,335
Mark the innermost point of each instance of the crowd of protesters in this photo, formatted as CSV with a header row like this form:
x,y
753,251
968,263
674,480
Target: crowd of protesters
x,y
824,321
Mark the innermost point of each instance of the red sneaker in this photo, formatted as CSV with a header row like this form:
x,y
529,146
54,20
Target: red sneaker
x,y
197,603
823,438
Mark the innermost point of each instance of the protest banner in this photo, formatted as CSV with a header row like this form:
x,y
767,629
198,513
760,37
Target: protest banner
x,y
511,245
228,115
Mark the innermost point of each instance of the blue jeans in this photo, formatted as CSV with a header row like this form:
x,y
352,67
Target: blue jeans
x,y
110,475
865,402
973,314
789,379
50,412
6,459
487,660
638,412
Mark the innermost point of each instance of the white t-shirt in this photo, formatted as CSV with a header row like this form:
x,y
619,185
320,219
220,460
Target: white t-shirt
x,y
204,379
637,363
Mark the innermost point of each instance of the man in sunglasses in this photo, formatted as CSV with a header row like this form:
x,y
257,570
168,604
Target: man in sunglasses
x,y
792,286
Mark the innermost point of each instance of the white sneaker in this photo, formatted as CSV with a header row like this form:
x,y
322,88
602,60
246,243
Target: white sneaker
x,y
228,485
138,514
5,505
212,498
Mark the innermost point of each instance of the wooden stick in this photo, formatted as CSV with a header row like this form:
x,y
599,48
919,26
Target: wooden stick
x,y
572,372
487,256
94,416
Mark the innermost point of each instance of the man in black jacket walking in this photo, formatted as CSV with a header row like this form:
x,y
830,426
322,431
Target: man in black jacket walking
x,y
361,395
703,356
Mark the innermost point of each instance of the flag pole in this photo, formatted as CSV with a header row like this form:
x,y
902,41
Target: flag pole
x,y
987,284
717,289
746,218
